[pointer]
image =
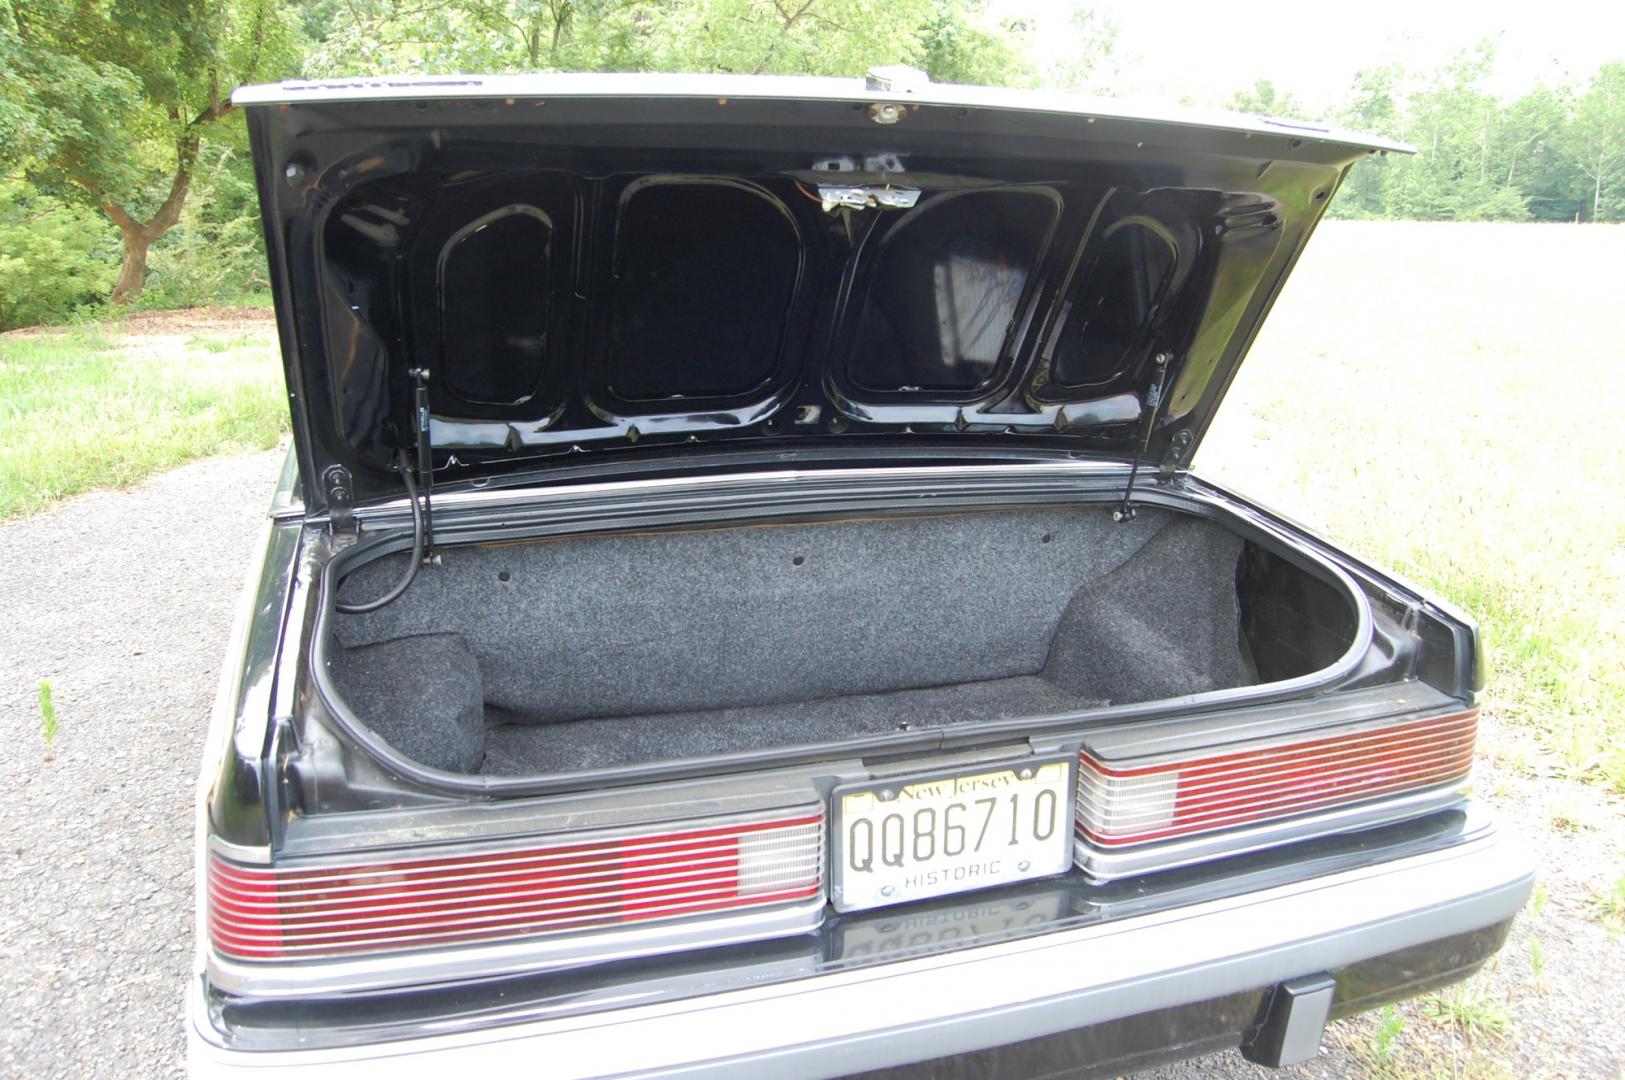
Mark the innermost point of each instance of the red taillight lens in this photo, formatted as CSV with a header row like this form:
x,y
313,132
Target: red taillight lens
x,y
258,913
1119,806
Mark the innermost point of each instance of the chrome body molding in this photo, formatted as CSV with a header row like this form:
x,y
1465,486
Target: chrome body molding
x,y
950,1002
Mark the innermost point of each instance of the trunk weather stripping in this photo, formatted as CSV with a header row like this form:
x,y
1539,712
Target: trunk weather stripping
x,y
1153,401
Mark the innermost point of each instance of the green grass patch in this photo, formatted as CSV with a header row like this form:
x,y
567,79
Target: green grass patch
x,y
47,713
1609,907
1468,1008
79,412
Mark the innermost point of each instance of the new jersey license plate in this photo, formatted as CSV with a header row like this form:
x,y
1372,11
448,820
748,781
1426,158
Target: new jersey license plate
x,y
912,837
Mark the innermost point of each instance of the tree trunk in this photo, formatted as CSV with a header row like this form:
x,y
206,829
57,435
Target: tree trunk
x,y
132,274
139,235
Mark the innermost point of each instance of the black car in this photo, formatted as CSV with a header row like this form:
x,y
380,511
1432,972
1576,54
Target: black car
x,y
739,603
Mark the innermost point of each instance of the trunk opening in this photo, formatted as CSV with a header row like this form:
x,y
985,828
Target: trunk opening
x,y
589,652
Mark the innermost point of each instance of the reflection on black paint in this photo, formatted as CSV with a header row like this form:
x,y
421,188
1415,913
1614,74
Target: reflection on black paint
x,y
945,289
705,273
1107,314
494,306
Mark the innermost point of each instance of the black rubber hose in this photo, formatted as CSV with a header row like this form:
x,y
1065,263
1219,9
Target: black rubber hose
x,y
411,567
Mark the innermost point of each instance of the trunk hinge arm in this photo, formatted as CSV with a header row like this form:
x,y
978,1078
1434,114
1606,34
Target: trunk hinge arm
x,y
424,455
1153,401
340,498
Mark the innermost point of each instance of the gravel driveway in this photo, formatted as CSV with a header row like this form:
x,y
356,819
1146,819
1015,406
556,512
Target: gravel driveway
x,y
122,601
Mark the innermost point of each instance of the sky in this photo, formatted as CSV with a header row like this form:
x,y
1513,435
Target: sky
x,y
1205,51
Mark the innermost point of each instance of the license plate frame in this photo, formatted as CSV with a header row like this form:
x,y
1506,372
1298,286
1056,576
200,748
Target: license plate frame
x,y
968,869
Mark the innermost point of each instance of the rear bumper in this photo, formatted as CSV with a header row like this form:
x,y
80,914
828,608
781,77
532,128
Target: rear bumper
x,y
976,999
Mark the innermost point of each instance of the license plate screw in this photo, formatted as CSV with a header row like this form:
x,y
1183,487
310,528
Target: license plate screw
x,y
1024,866
887,794
1026,774
887,890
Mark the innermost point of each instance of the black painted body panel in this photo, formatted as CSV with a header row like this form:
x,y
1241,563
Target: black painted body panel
x,y
632,277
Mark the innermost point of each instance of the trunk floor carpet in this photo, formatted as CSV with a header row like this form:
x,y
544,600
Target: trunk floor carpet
x,y
521,749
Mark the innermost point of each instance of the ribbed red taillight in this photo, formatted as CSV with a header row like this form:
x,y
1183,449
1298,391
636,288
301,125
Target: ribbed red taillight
x,y
1136,804
260,913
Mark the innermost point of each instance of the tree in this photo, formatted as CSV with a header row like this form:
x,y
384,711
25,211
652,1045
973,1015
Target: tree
x,y
1263,99
1537,162
1373,108
114,97
1595,139
1459,130
1087,51
958,46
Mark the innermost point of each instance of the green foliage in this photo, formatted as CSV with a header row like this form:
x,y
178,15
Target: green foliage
x,y
1462,131
109,99
216,254
56,257
1595,141
1551,154
1264,99
956,46
116,127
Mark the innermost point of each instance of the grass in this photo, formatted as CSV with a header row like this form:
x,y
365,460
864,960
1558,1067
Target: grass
x,y
47,712
1443,400
216,343
1470,1010
1609,907
83,409
1390,1025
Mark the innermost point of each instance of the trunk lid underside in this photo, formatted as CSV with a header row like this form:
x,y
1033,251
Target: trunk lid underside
x,y
500,277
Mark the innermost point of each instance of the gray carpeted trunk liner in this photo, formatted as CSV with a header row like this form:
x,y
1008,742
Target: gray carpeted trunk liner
x,y
525,749
598,651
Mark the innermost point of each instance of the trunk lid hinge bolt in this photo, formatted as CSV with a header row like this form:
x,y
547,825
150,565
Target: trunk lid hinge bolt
x,y
340,497
1178,447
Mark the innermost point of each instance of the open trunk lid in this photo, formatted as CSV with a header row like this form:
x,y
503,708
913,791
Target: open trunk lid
x,y
495,278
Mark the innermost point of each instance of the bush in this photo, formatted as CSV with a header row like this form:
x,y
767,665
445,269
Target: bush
x,y
56,257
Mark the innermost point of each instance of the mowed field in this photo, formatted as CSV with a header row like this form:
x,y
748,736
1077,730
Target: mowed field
x,y
1440,398
1446,399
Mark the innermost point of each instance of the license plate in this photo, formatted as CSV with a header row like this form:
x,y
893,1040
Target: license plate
x,y
913,837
